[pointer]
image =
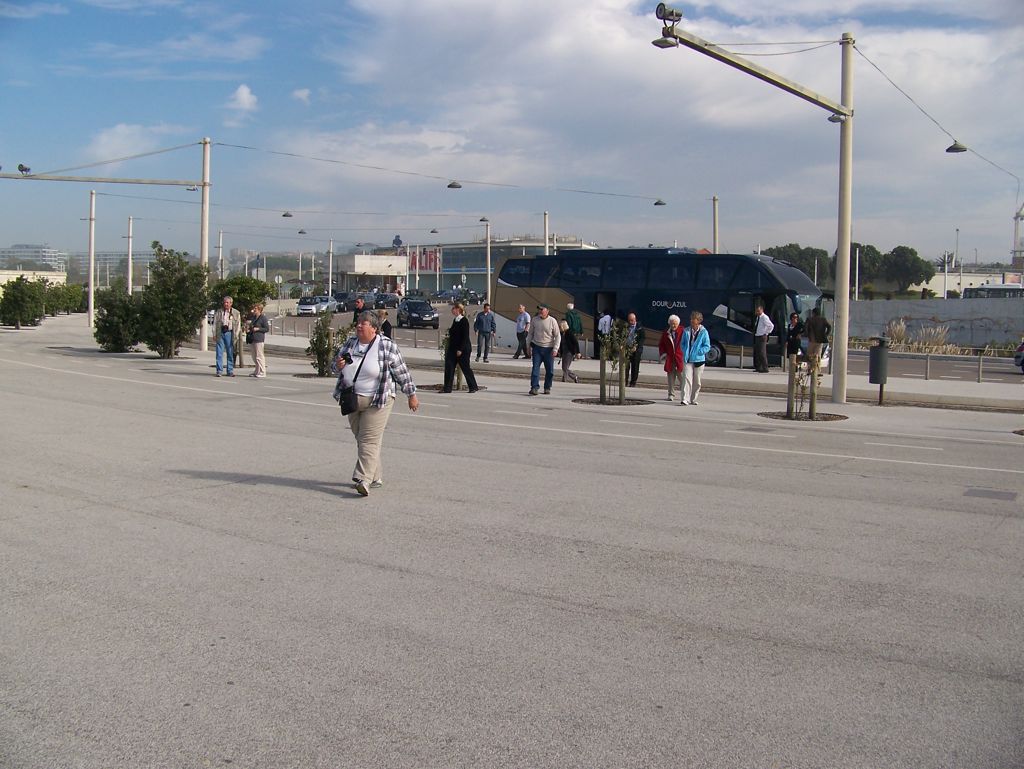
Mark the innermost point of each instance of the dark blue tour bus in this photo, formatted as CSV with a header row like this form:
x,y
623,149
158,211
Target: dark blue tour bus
x,y
656,283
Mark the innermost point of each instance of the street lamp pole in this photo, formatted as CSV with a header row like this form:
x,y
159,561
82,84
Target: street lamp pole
x,y
714,224
204,235
129,256
487,247
330,267
220,254
842,113
92,256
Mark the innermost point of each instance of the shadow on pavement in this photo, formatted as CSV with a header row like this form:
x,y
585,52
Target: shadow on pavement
x,y
250,479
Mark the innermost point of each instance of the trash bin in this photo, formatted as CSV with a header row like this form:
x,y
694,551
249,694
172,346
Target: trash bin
x,y
878,361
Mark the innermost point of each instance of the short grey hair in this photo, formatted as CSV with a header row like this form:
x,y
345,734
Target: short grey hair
x,y
370,317
673,318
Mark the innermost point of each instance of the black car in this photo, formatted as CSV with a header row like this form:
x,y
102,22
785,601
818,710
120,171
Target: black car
x,y
417,312
385,301
346,300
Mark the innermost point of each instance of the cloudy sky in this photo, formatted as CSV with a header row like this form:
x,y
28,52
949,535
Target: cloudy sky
x,y
533,105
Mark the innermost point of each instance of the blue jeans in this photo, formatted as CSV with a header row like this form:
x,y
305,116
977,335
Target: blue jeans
x,y
483,345
226,345
545,355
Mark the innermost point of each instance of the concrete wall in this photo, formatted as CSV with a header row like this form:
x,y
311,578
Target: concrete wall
x,y
971,322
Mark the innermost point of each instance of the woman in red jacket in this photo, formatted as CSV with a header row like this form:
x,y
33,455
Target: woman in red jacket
x,y
671,352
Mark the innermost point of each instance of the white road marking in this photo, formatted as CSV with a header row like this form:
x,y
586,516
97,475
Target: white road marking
x,y
698,444
758,432
950,377
522,413
902,446
624,422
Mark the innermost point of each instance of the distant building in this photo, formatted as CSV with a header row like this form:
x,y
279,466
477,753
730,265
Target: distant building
x,y
21,253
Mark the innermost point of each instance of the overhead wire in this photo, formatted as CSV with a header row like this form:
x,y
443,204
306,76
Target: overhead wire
x,y
461,180
118,160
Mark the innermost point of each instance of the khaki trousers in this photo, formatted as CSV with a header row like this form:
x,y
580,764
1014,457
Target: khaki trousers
x,y
691,379
368,425
675,377
259,360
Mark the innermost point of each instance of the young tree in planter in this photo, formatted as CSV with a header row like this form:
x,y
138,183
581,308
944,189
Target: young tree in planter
x,y
22,303
117,318
321,345
173,303
616,347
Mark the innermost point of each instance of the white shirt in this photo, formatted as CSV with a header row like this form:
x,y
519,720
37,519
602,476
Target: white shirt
x,y
604,325
366,384
763,325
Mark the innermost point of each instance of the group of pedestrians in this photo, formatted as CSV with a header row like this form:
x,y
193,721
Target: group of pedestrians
x,y
228,327
683,352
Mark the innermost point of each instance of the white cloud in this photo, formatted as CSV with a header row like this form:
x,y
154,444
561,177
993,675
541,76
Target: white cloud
x,y
126,139
301,94
31,10
242,104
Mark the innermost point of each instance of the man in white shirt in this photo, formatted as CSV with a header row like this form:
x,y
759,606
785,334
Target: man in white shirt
x,y
604,328
763,326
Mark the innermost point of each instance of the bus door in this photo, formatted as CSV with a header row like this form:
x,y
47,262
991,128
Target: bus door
x,y
778,309
604,300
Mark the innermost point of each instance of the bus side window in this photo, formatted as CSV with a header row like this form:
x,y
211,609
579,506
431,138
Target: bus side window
x,y
546,273
577,273
741,311
672,273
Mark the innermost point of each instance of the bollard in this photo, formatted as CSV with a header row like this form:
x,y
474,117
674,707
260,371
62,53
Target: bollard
x,y
741,357
812,401
981,361
927,366
791,388
878,365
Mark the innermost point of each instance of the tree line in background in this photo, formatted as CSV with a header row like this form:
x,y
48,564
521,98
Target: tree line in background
x,y
26,302
901,266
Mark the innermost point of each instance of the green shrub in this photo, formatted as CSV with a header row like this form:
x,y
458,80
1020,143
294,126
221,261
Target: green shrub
x,y
117,318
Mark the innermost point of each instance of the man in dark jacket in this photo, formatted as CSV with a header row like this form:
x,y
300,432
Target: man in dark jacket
x,y
636,336
817,330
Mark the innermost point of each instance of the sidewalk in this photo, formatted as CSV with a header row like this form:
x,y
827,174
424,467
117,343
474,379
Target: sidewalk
x,y
898,391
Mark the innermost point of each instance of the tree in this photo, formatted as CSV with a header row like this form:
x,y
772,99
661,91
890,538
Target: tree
x,y
22,303
244,292
802,257
903,267
117,318
173,303
871,260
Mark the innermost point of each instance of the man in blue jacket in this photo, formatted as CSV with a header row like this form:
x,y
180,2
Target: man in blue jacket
x,y
696,343
485,327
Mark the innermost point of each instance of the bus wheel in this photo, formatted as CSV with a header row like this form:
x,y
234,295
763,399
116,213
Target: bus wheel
x,y
716,355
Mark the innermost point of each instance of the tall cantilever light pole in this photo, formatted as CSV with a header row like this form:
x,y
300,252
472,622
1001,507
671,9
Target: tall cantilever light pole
x,y
841,113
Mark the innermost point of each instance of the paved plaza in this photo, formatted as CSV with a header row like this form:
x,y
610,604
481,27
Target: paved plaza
x,y
189,579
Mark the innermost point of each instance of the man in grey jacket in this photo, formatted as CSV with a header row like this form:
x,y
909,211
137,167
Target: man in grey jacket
x,y
545,338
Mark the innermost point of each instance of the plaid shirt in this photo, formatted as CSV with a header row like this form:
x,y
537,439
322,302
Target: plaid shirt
x,y
392,367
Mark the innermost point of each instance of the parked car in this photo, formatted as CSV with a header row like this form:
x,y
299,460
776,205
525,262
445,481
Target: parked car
x,y
1018,359
385,301
416,312
314,305
307,305
327,304
346,300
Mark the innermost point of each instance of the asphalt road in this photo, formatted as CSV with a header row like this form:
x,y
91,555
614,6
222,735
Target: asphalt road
x,y
188,579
